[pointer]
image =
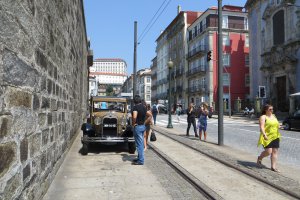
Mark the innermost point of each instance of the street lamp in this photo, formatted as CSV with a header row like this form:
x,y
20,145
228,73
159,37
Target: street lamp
x,y
170,65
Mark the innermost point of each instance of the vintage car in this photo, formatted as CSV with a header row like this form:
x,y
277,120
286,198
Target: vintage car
x,y
108,122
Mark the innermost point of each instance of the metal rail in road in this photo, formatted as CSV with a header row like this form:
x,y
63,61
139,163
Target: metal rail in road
x,y
207,192
224,162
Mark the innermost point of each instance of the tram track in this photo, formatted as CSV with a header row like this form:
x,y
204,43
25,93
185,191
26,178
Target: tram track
x,y
200,186
207,192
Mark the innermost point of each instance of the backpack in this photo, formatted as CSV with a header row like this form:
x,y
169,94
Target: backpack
x,y
154,109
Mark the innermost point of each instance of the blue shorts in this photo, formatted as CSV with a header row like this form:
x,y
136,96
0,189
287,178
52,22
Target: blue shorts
x,y
202,127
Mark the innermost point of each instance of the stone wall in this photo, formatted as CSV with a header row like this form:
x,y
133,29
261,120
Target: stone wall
x,y
43,91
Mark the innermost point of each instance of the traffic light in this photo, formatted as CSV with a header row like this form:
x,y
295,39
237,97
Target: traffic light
x,y
262,92
208,56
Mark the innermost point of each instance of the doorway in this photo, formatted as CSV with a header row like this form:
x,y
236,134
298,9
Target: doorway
x,y
281,94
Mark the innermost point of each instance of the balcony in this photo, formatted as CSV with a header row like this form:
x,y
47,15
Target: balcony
x,y
179,88
199,89
179,72
200,70
153,87
154,75
198,51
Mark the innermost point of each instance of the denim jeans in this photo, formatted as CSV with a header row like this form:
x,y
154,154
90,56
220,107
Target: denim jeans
x,y
139,141
154,117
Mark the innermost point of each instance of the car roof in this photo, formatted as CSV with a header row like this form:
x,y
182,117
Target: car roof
x,y
110,99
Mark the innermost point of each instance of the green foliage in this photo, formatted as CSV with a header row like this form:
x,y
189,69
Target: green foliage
x,y
109,90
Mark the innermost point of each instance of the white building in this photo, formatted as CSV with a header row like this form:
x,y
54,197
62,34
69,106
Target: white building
x,y
109,71
144,84
93,86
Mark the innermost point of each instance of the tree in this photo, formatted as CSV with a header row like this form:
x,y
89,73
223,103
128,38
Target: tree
x,y
109,90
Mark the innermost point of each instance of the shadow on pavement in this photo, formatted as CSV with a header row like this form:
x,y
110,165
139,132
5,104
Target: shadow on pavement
x,y
97,148
251,164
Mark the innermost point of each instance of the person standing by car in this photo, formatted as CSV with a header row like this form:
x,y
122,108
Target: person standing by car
x,y
202,121
154,111
148,124
269,136
191,115
138,123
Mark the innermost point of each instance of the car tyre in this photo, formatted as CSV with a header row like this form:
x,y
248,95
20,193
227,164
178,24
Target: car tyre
x,y
287,126
131,147
85,149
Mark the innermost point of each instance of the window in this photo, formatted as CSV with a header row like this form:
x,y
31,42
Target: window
x,y
247,80
148,98
247,40
247,60
278,28
148,79
226,40
226,79
226,59
148,89
225,22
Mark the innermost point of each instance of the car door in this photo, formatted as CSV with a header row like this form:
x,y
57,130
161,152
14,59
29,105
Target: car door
x,y
295,121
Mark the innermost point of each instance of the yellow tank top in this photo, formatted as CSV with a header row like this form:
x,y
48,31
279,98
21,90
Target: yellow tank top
x,y
271,130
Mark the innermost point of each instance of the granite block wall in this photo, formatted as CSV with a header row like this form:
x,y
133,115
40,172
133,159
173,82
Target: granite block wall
x,y
43,91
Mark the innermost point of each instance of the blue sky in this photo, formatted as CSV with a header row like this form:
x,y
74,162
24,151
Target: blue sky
x,y
110,25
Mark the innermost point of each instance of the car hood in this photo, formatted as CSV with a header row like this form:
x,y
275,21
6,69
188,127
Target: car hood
x,y
109,114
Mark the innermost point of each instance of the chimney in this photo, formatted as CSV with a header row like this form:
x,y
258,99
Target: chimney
x,y
178,9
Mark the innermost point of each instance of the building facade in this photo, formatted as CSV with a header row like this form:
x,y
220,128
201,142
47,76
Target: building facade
x,y
153,68
172,45
109,72
144,84
202,76
274,27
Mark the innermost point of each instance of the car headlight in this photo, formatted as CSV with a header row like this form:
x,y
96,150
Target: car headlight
x,y
123,121
97,121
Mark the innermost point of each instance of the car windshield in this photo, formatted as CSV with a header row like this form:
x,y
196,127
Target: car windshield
x,y
107,105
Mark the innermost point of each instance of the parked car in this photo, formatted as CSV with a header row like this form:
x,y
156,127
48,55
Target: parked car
x,y
162,109
109,123
293,121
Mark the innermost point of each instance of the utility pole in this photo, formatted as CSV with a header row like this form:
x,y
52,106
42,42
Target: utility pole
x,y
134,58
220,76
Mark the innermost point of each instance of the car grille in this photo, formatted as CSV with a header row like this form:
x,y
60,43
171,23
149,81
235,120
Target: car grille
x,y
110,127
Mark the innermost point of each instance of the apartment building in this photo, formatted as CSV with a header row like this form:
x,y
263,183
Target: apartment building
x,y
144,84
202,76
153,68
109,72
172,45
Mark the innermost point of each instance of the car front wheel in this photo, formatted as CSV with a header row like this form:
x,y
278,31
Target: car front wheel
x,y
131,147
287,126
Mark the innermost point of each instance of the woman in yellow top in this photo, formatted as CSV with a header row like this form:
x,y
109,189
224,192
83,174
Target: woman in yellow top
x,y
269,136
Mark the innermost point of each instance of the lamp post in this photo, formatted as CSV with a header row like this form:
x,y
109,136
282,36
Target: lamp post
x,y
170,65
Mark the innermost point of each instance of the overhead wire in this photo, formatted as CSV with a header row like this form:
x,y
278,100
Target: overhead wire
x,y
152,19
142,37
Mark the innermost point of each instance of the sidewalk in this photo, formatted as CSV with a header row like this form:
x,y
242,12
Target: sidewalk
x,y
104,174
289,178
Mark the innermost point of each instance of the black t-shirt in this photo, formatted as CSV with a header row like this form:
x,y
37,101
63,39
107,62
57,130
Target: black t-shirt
x,y
141,116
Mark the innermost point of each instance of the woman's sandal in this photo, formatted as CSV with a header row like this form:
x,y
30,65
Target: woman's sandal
x,y
275,170
258,162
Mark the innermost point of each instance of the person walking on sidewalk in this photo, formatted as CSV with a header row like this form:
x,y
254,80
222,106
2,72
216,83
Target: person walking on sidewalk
x,y
154,111
148,124
202,121
178,112
191,115
138,124
269,136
